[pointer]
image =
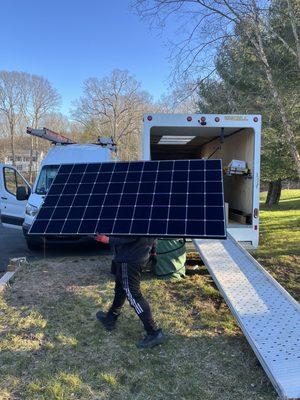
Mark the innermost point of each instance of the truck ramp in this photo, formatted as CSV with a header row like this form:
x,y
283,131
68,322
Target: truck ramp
x,y
268,316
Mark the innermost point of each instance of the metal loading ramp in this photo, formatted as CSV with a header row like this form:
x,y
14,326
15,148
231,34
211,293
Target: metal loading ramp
x,y
268,316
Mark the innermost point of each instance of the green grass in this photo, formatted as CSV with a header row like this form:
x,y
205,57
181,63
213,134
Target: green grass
x,y
279,248
51,347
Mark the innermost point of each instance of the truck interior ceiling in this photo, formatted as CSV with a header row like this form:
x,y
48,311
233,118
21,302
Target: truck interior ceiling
x,y
213,142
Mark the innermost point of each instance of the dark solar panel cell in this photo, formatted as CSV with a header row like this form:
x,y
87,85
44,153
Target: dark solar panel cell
x,y
73,178
162,187
71,226
76,213
79,168
85,188
133,177
115,188
95,200
108,212
118,177
195,213
112,200
65,168
65,200
181,165
176,227
160,213
165,166
61,178
122,226
92,213
39,227
179,187
55,226
181,176
196,176
89,178
136,166
159,198
213,187
151,166
177,213
125,212
144,200
100,188
142,212
46,212
93,168
214,199
158,227
70,189
80,200
194,228
147,187
196,187
121,167
213,213
51,200
87,226
60,213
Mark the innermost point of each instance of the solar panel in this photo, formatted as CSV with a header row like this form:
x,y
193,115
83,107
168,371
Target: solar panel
x,y
181,198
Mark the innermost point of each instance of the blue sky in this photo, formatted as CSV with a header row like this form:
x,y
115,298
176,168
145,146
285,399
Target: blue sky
x,y
68,41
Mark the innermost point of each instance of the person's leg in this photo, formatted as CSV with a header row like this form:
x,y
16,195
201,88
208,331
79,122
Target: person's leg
x,y
131,279
109,319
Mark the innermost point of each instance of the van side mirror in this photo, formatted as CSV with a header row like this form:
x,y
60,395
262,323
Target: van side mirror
x,y
22,193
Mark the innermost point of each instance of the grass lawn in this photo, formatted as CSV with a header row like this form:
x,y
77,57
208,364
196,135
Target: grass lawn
x,y
51,347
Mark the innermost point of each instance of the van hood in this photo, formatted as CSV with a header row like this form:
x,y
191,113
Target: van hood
x,y
36,200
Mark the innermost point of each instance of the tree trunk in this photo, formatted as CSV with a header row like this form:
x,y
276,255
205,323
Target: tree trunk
x,y
274,193
12,144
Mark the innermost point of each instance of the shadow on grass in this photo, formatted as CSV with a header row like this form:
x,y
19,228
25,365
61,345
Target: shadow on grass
x,y
52,347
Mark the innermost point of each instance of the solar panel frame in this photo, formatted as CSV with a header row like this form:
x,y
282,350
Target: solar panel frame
x,y
79,188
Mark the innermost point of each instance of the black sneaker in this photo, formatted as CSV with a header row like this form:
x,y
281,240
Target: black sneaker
x,y
107,320
150,341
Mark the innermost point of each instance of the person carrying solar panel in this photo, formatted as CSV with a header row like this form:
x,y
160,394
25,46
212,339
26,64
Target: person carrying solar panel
x,y
131,254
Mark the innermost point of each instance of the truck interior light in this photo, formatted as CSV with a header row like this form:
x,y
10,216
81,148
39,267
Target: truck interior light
x,y
149,118
175,139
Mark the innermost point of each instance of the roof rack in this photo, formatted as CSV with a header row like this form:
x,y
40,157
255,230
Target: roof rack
x,y
52,136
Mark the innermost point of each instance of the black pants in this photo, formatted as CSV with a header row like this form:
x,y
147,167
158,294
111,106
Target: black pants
x,y
127,285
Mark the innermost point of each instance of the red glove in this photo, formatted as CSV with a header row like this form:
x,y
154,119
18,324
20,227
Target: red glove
x,y
101,238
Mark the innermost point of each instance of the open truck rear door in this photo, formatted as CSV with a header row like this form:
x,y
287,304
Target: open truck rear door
x,y
14,192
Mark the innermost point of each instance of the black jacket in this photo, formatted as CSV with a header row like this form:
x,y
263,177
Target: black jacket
x,y
132,249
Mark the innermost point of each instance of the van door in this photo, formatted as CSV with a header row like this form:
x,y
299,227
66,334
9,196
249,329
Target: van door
x,y
14,192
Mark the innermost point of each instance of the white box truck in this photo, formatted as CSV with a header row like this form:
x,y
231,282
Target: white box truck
x,y
235,139
19,203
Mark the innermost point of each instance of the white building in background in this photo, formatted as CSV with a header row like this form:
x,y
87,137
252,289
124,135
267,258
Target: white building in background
x,y
22,160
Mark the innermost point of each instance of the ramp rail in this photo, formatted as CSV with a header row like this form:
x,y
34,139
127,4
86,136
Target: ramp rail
x,y
267,314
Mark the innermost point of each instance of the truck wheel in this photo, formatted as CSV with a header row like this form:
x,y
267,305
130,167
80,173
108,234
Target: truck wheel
x,y
33,245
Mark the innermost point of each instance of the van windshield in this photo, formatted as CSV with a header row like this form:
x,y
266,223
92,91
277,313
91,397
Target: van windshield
x,y
48,173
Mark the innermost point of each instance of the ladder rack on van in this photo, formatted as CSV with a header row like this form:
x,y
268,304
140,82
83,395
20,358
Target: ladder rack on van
x,y
52,136
268,316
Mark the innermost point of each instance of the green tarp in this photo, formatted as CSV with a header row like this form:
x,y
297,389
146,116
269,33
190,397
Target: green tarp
x,y
171,258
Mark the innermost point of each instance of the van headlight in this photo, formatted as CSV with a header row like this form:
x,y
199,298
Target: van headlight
x,y
31,210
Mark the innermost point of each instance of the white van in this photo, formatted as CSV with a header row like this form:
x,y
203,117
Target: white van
x,y
19,203
235,139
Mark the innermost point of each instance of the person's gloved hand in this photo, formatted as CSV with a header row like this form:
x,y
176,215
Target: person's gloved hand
x,y
101,238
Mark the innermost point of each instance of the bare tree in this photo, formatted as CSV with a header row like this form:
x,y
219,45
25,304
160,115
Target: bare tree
x,y
14,93
113,106
43,99
207,23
